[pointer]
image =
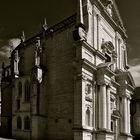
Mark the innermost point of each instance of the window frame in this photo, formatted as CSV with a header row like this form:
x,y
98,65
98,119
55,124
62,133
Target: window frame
x,y
27,123
19,123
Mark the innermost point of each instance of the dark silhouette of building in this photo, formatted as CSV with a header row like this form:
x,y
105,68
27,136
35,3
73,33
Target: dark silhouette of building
x,y
71,81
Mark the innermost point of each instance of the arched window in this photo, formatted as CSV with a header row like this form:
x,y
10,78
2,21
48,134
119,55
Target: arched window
x,y
88,117
27,91
27,123
19,123
20,89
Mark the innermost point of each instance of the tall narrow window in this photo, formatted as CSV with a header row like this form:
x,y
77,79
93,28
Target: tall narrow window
x,y
27,123
112,125
18,104
19,123
27,91
88,117
20,89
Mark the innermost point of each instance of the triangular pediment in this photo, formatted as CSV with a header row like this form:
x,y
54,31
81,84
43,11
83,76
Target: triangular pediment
x,y
113,11
125,78
130,80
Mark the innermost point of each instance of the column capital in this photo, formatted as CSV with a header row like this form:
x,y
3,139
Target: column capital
x,y
127,96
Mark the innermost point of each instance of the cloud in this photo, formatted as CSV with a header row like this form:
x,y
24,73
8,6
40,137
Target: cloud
x,y
135,71
14,42
134,62
6,46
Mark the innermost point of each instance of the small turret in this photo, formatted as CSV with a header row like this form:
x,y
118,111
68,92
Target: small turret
x,y
23,37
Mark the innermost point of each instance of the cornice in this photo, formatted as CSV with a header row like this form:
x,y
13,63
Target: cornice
x,y
89,65
88,47
49,32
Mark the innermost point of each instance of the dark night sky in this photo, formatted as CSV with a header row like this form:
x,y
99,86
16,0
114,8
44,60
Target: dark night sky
x,y
18,15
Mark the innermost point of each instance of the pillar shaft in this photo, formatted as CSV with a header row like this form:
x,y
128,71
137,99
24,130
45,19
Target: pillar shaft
x,y
128,115
125,114
102,107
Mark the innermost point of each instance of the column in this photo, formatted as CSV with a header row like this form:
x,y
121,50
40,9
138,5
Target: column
x,y
108,108
102,107
125,115
128,102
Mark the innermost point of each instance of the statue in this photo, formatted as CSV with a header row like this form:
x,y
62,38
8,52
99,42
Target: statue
x,y
109,7
38,52
16,63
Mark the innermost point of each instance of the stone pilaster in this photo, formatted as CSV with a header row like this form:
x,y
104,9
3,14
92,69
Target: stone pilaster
x,y
94,105
108,108
83,100
78,101
90,34
98,31
117,48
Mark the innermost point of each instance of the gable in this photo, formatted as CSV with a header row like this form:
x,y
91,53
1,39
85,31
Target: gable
x,y
111,8
130,80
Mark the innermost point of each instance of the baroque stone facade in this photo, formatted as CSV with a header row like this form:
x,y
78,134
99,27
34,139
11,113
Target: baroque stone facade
x,y
71,81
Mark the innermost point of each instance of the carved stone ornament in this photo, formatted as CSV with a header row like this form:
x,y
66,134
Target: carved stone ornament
x,y
88,88
79,34
107,47
109,7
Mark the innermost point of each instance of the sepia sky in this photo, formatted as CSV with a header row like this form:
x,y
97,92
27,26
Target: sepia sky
x,y
27,15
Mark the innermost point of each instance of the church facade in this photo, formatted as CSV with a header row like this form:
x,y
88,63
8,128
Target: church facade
x,y
71,81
